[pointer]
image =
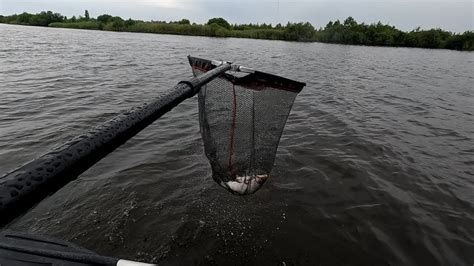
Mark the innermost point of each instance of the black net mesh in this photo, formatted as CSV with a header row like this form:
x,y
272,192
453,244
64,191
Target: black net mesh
x,y
242,116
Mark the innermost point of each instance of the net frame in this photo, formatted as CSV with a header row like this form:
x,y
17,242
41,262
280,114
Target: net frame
x,y
238,168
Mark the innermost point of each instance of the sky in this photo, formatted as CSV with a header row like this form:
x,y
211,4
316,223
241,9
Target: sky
x,y
451,15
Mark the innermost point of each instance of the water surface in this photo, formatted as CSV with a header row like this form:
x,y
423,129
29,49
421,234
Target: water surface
x,y
375,165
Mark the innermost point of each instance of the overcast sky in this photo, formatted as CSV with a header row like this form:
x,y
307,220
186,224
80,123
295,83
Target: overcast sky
x,y
452,15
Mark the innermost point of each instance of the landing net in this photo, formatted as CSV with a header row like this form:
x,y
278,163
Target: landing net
x,y
242,116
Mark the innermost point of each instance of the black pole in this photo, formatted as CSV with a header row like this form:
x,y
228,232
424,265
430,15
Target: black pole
x,y
29,184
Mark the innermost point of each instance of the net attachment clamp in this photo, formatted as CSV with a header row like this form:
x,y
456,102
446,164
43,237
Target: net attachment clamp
x,y
234,67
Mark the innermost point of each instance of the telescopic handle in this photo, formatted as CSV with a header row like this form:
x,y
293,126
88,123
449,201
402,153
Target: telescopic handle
x,y
25,249
29,184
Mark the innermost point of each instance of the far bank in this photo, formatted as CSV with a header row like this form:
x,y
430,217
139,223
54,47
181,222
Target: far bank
x,y
347,32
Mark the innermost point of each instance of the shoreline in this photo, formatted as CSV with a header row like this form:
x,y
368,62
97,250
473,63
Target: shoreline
x,y
348,32
261,39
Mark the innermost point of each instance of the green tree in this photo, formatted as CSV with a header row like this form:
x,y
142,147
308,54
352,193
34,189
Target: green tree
x,y
116,24
429,39
350,22
299,31
219,21
104,18
24,18
129,22
184,21
86,15
329,25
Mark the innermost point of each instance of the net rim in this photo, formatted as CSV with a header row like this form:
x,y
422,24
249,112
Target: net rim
x,y
256,81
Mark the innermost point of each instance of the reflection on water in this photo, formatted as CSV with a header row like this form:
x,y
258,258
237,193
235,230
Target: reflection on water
x,y
374,166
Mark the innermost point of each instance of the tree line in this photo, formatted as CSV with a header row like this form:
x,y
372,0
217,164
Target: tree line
x,y
347,32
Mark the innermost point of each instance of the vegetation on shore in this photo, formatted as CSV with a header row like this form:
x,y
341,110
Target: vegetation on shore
x,y
346,32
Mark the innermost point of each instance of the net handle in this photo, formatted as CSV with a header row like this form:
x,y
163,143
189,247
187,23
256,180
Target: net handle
x,y
26,186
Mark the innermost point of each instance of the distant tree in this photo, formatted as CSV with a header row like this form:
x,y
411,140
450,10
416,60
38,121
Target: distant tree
x,y
129,22
329,25
104,18
219,21
430,39
184,21
24,18
299,31
350,21
118,24
86,15
40,19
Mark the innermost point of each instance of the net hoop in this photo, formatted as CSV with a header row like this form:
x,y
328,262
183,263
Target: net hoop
x,y
242,114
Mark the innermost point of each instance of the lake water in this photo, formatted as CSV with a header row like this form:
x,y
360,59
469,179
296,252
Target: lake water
x,y
375,166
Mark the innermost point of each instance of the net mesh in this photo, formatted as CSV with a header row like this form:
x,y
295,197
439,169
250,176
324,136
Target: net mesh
x,y
242,117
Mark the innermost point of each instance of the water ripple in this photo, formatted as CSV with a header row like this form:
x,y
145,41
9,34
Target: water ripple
x,y
374,167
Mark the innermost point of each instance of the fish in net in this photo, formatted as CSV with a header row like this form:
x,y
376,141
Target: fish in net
x,y
242,114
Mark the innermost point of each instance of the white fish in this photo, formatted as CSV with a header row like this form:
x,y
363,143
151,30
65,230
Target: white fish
x,y
244,185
